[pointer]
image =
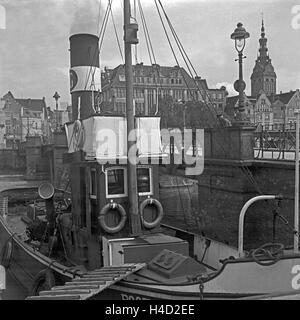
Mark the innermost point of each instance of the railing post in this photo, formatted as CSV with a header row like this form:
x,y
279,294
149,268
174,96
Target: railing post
x,y
242,218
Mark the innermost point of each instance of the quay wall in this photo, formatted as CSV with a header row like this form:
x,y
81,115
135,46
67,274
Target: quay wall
x,y
232,176
12,160
212,205
225,188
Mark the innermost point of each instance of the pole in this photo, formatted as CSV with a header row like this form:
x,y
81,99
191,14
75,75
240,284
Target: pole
x,y
56,118
27,125
134,218
296,218
242,218
241,96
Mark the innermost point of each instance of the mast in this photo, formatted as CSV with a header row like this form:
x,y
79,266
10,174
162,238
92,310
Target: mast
x,y
130,31
296,218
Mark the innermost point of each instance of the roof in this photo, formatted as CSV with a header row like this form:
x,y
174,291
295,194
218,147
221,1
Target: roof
x,y
149,70
32,104
230,103
284,97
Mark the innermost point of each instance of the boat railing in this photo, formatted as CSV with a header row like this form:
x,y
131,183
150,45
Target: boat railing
x,y
242,218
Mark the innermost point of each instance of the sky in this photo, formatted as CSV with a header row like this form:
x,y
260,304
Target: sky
x,y
34,40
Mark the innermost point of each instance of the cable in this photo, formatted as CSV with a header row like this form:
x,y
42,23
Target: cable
x,y
115,29
189,67
135,46
101,37
145,33
189,64
99,17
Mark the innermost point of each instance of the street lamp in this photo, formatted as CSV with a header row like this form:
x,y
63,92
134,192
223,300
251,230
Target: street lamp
x,y
56,97
239,36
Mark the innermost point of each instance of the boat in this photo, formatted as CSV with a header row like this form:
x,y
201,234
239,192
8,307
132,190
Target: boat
x,y
106,240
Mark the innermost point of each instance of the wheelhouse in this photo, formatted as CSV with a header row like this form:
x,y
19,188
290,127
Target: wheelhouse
x,y
99,180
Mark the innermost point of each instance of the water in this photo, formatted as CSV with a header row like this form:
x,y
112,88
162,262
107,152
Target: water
x,y
14,290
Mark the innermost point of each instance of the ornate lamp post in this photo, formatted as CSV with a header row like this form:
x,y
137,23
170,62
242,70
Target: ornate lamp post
x,y
56,97
239,36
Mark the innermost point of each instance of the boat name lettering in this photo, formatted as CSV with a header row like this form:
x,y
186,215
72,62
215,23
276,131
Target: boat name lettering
x,y
129,297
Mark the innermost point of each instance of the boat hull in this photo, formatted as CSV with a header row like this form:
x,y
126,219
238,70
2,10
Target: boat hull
x,y
236,279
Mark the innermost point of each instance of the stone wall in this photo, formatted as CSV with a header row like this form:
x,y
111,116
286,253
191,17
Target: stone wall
x,y
225,187
37,166
232,176
12,160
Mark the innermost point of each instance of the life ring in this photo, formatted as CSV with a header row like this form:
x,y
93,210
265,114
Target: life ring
x,y
6,253
160,213
103,213
44,280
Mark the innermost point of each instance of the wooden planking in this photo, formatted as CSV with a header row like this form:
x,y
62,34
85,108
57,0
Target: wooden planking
x,y
89,284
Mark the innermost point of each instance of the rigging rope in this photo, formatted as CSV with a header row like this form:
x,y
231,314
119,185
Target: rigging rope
x,y
101,37
188,64
99,17
135,46
147,35
151,53
116,33
205,97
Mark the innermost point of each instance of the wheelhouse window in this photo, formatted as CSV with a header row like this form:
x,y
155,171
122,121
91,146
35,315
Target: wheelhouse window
x,y
93,186
116,182
144,181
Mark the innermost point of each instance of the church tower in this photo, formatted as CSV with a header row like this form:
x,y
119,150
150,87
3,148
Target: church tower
x,y
263,76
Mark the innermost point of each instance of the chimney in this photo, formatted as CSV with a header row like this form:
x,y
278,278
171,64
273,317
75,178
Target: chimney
x,y
85,74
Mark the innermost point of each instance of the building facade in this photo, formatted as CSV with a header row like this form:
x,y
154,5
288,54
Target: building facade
x,y
21,117
265,107
269,111
151,84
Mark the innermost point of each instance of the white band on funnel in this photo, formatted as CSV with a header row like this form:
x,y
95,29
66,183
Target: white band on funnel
x,y
85,78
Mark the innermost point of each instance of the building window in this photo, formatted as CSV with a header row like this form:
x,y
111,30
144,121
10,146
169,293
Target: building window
x,y
139,108
93,185
144,181
120,107
116,182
